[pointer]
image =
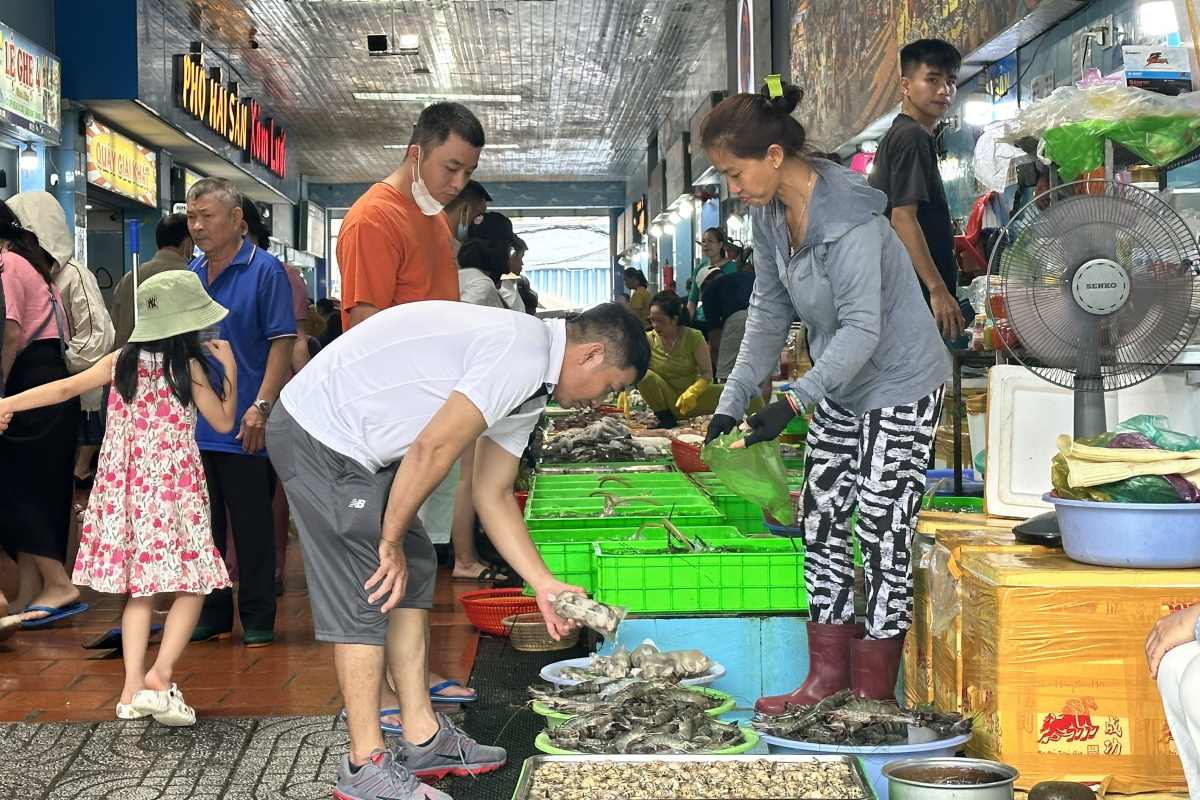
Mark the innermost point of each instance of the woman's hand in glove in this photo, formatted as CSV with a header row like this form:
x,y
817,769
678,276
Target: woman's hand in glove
x,y
720,425
770,422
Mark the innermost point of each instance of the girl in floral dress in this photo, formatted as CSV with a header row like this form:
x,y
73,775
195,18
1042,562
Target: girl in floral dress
x,y
147,530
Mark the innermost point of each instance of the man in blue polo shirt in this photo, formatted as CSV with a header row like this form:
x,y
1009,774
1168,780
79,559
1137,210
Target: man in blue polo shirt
x,y
261,329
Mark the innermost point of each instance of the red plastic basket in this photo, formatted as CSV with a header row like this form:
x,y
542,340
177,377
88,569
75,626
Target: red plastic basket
x,y
487,608
687,457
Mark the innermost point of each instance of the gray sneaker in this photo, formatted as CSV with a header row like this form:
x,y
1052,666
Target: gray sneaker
x,y
382,778
452,752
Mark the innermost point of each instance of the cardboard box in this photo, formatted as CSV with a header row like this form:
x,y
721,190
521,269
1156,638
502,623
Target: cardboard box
x,y
1055,673
945,602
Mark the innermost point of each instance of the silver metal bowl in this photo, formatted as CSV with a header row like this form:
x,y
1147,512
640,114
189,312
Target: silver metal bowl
x,y
914,779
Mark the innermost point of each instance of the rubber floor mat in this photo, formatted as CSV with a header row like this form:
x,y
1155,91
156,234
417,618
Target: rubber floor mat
x,y
262,758
501,716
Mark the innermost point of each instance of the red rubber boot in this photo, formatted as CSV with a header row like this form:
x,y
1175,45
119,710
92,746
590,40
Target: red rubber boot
x,y
828,668
874,665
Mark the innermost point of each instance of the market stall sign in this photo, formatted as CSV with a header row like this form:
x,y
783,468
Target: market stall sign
x,y
121,165
189,180
639,219
30,91
204,95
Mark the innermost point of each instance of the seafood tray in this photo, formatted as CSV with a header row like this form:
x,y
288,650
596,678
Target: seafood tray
x,y
748,574
583,767
568,551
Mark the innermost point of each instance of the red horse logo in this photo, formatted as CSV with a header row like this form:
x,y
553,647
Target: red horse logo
x,y
1073,725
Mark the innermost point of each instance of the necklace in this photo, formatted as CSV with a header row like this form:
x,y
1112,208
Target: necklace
x,y
801,217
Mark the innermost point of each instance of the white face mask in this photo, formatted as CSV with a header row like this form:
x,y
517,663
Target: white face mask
x,y
420,192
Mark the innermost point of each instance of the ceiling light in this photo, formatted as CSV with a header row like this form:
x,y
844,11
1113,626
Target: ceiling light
x,y
409,41
29,158
656,230
87,207
428,97
1157,18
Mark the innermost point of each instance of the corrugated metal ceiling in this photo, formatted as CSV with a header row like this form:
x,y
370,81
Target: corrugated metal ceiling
x,y
595,76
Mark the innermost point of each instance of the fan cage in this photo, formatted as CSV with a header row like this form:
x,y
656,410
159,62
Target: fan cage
x,y
1034,261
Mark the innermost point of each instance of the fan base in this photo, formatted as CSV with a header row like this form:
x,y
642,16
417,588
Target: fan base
x,y
1042,529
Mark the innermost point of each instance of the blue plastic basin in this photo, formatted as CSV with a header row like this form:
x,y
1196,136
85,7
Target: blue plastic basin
x,y
1136,535
873,759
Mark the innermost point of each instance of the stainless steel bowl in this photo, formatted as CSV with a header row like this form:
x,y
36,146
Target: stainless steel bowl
x,y
916,779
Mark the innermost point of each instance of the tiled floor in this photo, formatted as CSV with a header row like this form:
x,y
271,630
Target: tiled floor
x,y
45,675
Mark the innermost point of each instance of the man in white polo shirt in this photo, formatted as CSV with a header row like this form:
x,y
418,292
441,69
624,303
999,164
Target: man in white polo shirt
x,y
360,439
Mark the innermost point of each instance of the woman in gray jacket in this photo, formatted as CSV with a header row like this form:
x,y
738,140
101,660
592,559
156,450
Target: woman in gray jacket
x,y
825,253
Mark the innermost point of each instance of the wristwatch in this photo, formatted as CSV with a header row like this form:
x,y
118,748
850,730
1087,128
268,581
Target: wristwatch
x,y
264,406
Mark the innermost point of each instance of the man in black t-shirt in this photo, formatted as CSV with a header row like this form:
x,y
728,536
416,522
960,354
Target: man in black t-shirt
x,y
906,170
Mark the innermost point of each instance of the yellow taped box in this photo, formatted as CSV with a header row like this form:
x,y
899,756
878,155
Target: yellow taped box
x,y
1055,673
930,522
945,603
918,659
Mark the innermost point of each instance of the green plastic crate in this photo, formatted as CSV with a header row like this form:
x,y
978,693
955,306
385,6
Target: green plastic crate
x,y
760,575
961,505
633,479
568,553
543,514
585,467
585,492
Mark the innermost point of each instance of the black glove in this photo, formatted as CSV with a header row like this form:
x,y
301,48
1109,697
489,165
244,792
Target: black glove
x,y
770,422
721,424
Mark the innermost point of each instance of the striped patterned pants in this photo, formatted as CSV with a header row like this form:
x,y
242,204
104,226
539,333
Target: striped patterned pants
x,y
878,459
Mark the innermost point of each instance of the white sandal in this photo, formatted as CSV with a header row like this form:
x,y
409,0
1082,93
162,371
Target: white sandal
x,y
127,711
167,707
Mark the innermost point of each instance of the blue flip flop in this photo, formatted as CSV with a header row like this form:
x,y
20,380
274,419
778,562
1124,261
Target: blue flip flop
x,y
54,614
386,727
111,639
435,694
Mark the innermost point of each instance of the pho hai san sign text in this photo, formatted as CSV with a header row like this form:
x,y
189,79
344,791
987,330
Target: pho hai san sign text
x,y
202,93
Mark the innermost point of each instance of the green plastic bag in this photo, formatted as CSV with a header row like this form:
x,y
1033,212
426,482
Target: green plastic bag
x,y
1155,429
1078,147
755,474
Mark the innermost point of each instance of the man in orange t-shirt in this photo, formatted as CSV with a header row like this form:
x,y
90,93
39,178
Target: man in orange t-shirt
x,y
394,247
394,244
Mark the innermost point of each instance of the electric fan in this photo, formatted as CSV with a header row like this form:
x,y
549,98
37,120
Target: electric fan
x,y
1098,283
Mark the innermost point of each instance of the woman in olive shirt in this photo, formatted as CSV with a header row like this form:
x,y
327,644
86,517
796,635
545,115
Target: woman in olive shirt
x,y
639,295
679,382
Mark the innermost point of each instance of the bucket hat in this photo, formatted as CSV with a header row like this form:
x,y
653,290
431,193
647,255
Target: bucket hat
x,y
171,303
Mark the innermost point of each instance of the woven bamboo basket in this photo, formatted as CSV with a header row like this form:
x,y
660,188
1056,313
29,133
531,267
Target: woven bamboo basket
x,y
528,633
